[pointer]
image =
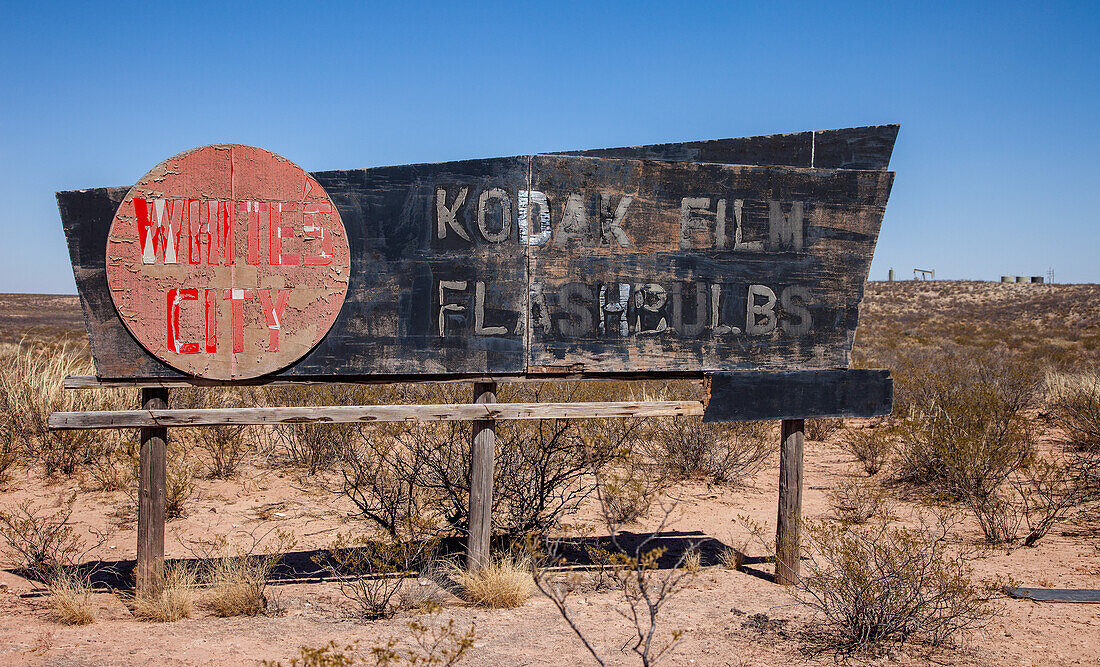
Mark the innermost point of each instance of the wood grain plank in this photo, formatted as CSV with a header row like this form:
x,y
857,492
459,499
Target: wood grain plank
x,y
370,413
788,531
664,281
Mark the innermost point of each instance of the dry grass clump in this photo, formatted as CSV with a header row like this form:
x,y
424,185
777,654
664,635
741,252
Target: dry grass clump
x,y
237,587
32,386
237,576
502,583
732,558
71,600
692,561
179,485
173,597
9,454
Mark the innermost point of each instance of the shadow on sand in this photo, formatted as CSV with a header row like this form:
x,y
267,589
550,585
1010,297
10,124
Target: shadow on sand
x,y
308,566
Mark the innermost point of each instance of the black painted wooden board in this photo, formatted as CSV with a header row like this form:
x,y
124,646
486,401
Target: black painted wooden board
x,y
389,322
1086,595
799,395
849,148
86,216
390,319
389,325
669,319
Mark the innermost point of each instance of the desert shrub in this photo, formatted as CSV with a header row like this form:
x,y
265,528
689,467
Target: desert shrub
x,y
371,573
967,437
644,588
71,599
966,431
31,387
418,474
237,577
1076,410
723,451
179,485
630,488
433,644
871,446
9,454
117,469
408,480
879,584
226,447
172,596
502,583
42,541
1045,490
315,446
329,655
997,515
821,430
854,503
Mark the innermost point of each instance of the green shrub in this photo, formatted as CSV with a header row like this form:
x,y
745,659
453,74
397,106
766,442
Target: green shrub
x,y
966,431
873,446
878,584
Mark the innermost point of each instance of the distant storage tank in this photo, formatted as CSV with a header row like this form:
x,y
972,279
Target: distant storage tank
x,y
1008,279
1037,279
891,275
1021,279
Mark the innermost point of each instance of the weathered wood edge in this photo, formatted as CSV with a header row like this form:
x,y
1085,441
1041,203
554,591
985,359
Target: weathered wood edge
x,y
370,413
92,382
866,147
761,395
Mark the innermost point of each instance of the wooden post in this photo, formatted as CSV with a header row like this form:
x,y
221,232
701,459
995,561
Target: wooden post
x,y
150,527
788,546
481,480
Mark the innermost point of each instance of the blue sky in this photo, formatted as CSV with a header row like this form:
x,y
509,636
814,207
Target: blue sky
x,y
997,167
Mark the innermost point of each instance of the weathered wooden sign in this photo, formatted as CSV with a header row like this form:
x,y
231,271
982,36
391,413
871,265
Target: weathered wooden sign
x,y
183,292
228,262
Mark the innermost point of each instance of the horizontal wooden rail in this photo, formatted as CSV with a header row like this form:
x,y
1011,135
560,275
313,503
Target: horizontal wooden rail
x,y
344,414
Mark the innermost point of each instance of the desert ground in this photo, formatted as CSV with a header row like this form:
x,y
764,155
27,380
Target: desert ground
x,y
724,610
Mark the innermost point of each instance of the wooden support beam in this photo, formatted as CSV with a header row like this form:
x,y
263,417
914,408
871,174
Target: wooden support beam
x,y
370,413
483,449
151,497
788,538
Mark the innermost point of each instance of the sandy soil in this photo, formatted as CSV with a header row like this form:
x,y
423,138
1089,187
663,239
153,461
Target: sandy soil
x,y
716,611
728,617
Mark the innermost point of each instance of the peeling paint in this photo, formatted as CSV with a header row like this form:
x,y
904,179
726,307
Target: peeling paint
x,y
233,265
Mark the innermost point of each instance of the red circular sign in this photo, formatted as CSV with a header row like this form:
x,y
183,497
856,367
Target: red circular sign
x,y
228,262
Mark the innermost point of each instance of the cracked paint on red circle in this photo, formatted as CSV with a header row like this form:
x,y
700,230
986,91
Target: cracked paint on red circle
x,y
228,262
